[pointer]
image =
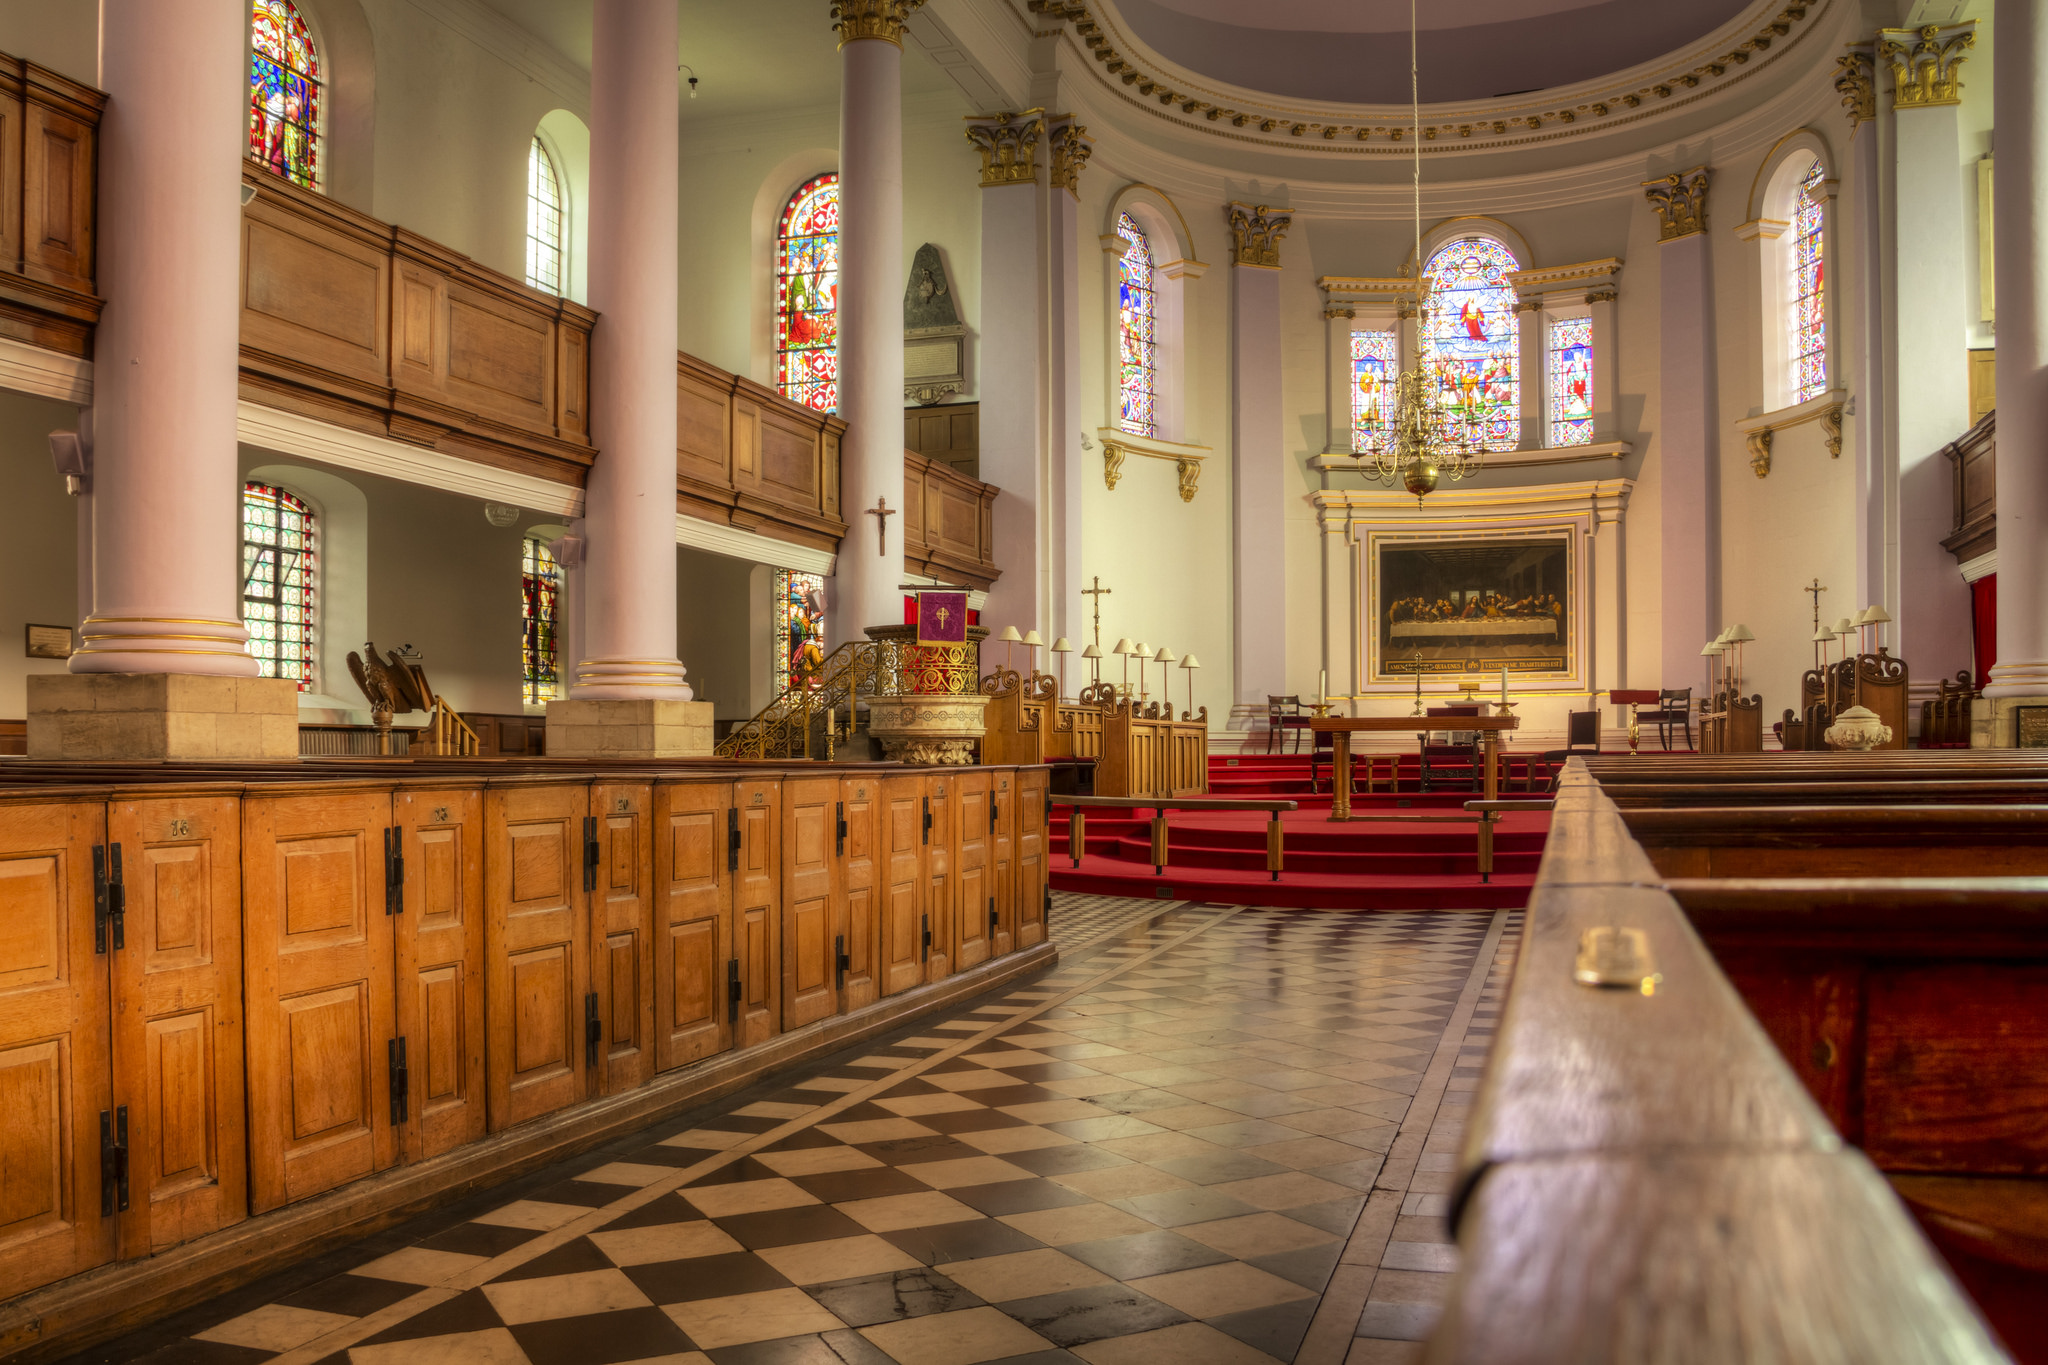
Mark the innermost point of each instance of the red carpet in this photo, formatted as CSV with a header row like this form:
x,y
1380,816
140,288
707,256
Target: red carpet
x,y
1363,865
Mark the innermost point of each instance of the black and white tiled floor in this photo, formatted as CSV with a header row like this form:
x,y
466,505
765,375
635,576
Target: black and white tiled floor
x,y
1158,1151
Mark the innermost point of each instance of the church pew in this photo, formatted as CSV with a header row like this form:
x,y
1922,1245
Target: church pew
x,y
1844,841
1642,1177
464,969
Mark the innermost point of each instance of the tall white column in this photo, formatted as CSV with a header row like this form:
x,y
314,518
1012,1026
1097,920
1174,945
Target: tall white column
x,y
867,590
1338,319
1688,496
1066,466
1861,288
1606,364
2020,103
1014,355
1258,460
1931,334
629,579
1529,318
166,533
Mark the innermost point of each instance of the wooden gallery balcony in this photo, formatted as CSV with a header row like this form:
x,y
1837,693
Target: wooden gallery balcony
x,y
49,152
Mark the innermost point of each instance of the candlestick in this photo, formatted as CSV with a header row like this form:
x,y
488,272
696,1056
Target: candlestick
x,y
1323,687
1503,684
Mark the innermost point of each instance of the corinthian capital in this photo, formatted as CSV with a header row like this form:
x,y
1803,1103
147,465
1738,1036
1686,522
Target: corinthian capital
x,y
857,19
1255,233
1680,200
1925,68
1856,79
1070,146
1008,144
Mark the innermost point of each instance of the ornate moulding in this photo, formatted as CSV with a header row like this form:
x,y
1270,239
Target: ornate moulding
x,y
1740,49
938,728
1827,409
1187,459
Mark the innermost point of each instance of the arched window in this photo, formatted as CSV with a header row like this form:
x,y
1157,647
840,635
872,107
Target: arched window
x,y
284,93
807,296
1137,331
1809,320
1375,364
1571,381
540,584
277,582
543,220
799,626
1473,340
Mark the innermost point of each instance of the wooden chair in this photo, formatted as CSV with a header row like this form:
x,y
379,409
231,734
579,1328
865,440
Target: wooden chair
x,y
1285,716
1581,736
1674,710
1457,765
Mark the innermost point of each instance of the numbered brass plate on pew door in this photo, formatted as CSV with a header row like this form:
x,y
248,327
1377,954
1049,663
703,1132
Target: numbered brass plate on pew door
x,y
1616,957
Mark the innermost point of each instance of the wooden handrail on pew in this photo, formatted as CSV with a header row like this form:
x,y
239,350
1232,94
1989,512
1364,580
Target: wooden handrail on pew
x,y
1077,822
1644,1178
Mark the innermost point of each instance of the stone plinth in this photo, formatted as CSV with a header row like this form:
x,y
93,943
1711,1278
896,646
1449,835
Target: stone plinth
x,y
639,728
1991,720
928,727
175,717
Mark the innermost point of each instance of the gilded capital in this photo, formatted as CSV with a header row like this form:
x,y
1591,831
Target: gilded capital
x,y
1068,147
1255,233
1856,79
1680,200
1925,69
1008,144
857,19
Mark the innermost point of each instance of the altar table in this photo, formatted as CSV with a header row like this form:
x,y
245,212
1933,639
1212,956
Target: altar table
x,y
1340,729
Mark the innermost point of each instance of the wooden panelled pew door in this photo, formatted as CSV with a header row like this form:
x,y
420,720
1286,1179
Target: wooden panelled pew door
x,y
860,876
1034,802
55,1073
620,1018
439,942
941,887
900,823
1002,848
756,966
813,905
536,949
974,878
696,979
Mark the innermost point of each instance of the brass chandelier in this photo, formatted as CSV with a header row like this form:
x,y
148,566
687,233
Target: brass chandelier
x,y
1428,441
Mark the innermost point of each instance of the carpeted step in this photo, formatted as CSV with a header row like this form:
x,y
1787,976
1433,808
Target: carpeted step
x,y
1304,890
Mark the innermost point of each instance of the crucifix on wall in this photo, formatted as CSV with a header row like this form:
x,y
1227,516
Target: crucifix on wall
x,y
1098,592
881,511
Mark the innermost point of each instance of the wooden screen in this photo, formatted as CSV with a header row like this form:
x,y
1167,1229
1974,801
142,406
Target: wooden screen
x,y
535,954
1033,788
755,899
859,869
1002,857
902,889
974,876
693,880
439,968
812,907
941,890
621,929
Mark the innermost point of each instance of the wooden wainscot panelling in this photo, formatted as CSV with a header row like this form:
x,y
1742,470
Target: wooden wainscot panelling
x,y
55,1073
1002,857
860,803
973,873
948,523
438,919
756,966
813,902
373,327
900,829
49,160
536,947
1034,798
177,1033
317,954
748,457
696,862
621,935
941,888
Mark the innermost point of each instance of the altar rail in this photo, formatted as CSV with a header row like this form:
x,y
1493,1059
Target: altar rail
x,y
326,993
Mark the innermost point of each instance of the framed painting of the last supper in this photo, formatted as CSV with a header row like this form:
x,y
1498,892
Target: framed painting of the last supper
x,y
1474,606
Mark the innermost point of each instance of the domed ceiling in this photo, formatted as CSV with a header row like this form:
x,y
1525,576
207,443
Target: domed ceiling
x,y
1356,51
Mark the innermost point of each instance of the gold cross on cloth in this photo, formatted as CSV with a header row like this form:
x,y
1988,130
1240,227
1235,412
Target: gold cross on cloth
x,y
881,511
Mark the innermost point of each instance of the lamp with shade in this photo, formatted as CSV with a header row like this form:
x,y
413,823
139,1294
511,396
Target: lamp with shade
x,y
1093,654
1876,615
1738,636
1190,663
1165,658
1063,647
1124,648
1009,637
1033,641
1142,652
1822,638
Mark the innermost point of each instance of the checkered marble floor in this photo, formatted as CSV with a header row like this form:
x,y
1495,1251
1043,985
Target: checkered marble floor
x,y
1159,1151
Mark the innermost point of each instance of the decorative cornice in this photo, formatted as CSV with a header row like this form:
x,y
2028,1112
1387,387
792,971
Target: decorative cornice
x,y
1255,233
1856,78
1602,296
1116,444
1680,200
1334,311
1924,71
883,19
1825,408
1069,147
1704,70
1008,144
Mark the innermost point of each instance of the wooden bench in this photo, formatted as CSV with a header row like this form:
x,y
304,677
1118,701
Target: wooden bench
x,y
1077,822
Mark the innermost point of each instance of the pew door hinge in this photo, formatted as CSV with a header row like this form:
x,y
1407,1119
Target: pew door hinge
x,y
401,1082
994,921
109,899
732,838
927,938
394,871
995,812
927,819
732,990
841,815
593,1029
113,1161
841,958
592,852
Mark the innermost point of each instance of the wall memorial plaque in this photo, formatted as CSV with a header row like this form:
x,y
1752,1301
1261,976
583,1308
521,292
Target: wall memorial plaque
x,y
49,642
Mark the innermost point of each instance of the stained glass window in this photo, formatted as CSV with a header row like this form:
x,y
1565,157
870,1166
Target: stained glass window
x,y
799,626
284,93
807,296
1571,381
1474,343
1374,367
1137,332
540,583
277,582
1809,300
543,220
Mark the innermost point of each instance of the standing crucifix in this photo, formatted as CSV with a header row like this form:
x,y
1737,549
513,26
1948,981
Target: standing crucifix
x,y
1815,588
881,511
1098,592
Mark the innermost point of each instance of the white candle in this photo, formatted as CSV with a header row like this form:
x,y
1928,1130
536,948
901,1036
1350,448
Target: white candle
x,y
1503,684
1323,687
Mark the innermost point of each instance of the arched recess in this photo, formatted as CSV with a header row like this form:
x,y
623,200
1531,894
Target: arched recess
x,y
1174,266
348,56
1770,229
1471,225
567,139
785,178
342,588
